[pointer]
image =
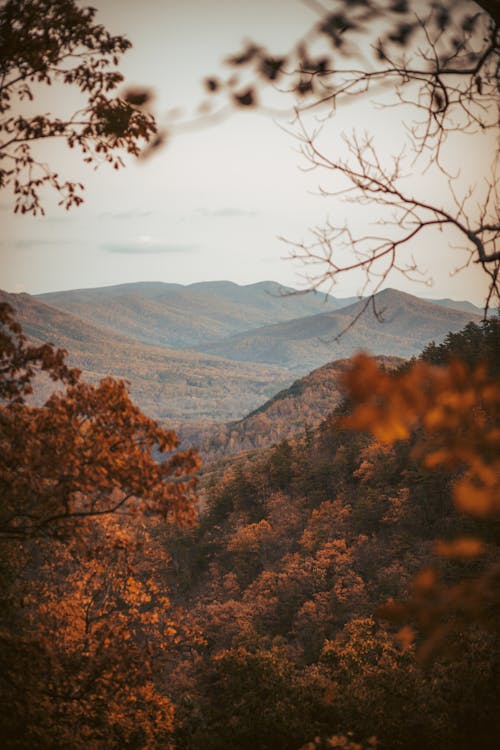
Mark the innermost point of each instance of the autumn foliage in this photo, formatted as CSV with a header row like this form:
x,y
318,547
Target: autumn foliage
x,y
85,658
87,451
345,560
456,407
339,589
86,481
455,411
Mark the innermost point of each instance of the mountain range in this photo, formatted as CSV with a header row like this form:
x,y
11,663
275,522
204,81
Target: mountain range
x,y
188,316
215,351
168,384
397,324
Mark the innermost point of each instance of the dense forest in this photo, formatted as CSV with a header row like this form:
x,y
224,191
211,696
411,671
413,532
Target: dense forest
x,y
338,589
287,571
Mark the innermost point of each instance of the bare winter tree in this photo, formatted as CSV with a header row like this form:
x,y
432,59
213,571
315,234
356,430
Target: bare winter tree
x,y
438,63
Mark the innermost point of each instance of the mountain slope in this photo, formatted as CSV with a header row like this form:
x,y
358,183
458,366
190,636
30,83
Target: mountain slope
x,y
303,405
297,550
185,316
408,324
462,304
166,383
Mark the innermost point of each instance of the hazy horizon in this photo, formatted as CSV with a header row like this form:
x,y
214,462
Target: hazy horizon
x,y
214,202
331,293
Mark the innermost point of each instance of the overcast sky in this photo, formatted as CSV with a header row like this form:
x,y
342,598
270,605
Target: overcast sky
x,y
214,202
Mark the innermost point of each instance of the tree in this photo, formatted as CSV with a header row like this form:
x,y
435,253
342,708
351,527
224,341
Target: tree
x,y
87,451
55,42
86,478
438,63
19,362
85,659
454,411
253,699
84,630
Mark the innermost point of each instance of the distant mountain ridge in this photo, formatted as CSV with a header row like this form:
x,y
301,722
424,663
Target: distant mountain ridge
x,y
213,373
187,316
463,305
402,326
264,322
166,383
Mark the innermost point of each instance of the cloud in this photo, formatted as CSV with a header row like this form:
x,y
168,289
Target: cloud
x,y
146,246
130,214
228,212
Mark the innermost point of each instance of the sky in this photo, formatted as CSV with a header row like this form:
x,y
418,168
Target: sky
x,y
215,202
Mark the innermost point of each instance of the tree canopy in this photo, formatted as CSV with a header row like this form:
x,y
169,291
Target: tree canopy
x,y
87,481
87,451
272,637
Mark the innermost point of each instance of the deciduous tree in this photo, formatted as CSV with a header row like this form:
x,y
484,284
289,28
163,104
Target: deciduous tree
x,y
84,624
57,42
87,451
454,411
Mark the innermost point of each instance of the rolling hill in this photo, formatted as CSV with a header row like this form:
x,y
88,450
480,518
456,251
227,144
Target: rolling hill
x,y
188,316
222,377
303,405
166,383
463,305
403,325
206,313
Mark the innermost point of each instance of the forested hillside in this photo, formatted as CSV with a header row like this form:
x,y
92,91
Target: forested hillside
x,y
227,379
173,315
335,586
298,408
185,316
300,546
314,564
397,324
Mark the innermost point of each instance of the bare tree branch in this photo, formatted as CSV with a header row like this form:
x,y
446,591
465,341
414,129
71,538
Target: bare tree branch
x,y
335,250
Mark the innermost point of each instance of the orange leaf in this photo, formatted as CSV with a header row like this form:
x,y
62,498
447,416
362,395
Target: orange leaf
x,y
466,547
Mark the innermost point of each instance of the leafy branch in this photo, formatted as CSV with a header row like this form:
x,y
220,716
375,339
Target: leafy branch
x,y
50,42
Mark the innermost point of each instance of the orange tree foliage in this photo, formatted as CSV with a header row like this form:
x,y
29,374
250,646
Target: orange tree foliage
x,y
84,626
87,451
454,413
291,566
19,362
46,42
86,657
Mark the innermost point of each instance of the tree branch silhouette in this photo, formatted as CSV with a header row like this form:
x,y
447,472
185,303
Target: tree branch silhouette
x,y
55,42
439,59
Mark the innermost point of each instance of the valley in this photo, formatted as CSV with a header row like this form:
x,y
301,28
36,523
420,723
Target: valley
x,y
205,358
167,384
301,407
268,599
